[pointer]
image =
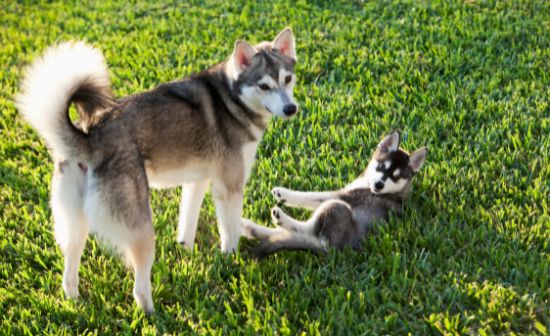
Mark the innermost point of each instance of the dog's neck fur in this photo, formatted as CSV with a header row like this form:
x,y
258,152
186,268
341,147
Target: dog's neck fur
x,y
245,116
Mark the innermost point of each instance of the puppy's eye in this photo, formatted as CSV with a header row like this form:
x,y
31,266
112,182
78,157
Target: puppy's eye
x,y
288,78
381,166
264,87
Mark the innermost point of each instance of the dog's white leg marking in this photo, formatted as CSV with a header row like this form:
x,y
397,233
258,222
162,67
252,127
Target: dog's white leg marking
x,y
287,222
306,199
252,230
73,252
229,211
229,208
70,226
190,206
141,255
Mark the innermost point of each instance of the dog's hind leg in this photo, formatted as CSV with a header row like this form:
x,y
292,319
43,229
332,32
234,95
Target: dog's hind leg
x,y
70,226
191,201
141,254
305,199
118,210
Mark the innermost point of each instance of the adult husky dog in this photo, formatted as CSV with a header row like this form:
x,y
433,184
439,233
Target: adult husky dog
x,y
190,132
342,218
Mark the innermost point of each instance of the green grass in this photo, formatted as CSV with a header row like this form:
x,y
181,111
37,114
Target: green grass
x,y
471,253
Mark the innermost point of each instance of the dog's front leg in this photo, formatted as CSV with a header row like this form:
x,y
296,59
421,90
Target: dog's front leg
x,y
306,199
229,208
192,195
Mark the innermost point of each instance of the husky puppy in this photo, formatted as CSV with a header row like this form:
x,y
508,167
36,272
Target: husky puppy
x,y
191,132
342,218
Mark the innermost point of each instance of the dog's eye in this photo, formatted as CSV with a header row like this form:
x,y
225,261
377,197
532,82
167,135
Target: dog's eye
x,y
381,166
288,79
264,87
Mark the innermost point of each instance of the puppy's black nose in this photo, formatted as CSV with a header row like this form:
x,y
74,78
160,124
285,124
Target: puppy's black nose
x,y
290,109
379,186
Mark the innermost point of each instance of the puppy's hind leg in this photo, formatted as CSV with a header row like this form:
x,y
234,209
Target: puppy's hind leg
x,y
331,207
70,226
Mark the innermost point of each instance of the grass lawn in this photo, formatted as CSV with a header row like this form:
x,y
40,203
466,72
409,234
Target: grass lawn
x,y
469,79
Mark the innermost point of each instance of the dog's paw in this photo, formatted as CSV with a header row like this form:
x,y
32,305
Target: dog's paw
x,y
188,245
280,194
276,214
71,289
144,299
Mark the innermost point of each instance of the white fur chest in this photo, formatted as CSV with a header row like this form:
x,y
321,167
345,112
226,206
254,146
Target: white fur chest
x,y
170,178
358,183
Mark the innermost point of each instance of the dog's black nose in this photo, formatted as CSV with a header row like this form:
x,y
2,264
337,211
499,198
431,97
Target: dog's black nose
x,y
379,186
290,109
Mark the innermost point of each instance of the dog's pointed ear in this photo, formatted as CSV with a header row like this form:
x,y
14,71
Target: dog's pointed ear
x,y
242,56
390,143
417,159
284,43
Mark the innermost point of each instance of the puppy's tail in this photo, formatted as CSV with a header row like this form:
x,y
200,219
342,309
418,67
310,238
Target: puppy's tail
x,y
289,240
69,72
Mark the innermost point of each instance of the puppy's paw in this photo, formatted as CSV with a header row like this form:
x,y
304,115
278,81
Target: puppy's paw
x,y
280,194
276,214
247,228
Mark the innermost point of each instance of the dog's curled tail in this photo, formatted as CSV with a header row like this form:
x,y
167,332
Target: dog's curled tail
x,y
289,240
69,72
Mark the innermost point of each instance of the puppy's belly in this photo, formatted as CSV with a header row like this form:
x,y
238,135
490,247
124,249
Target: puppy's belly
x,y
173,177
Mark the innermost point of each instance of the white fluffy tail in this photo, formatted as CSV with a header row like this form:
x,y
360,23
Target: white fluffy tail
x,y
72,71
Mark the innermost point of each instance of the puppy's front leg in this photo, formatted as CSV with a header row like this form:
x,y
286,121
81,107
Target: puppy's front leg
x,y
289,223
306,199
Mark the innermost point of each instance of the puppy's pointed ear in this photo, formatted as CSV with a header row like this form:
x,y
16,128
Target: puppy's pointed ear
x,y
242,57
417,159
284,43
390,143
